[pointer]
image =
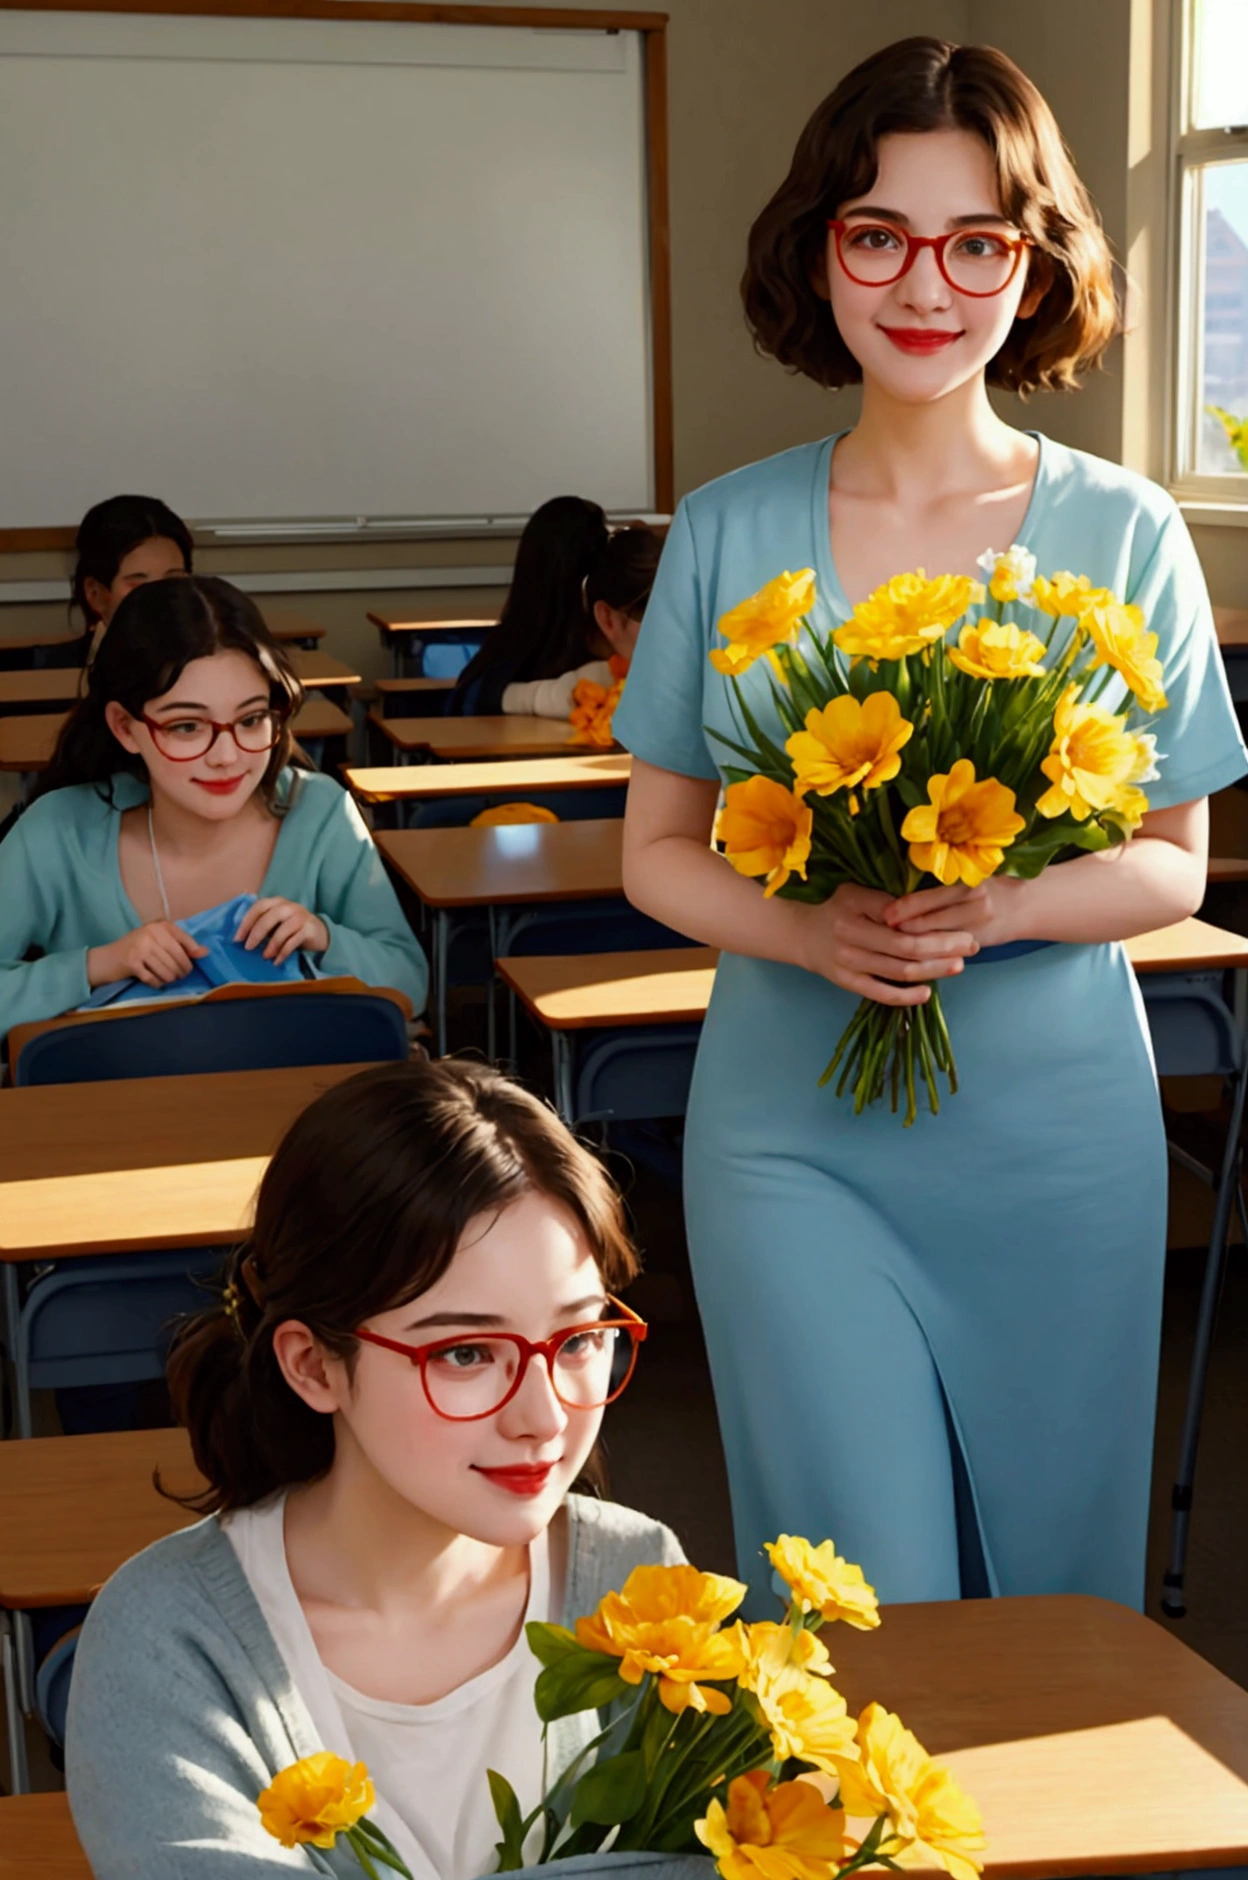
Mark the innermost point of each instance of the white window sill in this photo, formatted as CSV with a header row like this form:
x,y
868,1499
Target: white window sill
x,y
1202,514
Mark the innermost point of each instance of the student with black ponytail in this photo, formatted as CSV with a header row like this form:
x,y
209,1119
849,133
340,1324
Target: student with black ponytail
x,y
391,1400
577,597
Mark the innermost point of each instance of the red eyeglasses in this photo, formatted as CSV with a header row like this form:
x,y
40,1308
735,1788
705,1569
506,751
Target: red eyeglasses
x,y
182,740
979,262
467,1378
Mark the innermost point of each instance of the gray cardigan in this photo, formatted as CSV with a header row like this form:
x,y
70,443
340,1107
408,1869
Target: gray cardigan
x,y
182,1709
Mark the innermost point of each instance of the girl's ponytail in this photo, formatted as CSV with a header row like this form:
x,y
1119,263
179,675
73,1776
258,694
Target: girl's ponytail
x,y
624,572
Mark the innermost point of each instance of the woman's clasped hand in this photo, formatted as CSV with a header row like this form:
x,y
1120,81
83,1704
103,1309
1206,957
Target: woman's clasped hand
x,y
281,927
856,940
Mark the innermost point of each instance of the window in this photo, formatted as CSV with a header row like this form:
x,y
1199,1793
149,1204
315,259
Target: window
x,y
1211,457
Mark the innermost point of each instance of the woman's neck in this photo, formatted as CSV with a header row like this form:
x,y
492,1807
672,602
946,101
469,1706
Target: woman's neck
x,y
352,1541
910,453
180,833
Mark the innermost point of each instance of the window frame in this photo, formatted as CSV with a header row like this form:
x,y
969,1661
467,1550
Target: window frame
x,y
1192,154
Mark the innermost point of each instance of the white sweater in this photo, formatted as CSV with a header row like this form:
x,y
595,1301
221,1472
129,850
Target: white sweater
x,y
552,698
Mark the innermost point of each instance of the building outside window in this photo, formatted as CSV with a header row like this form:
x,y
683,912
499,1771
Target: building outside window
x,y
1211,149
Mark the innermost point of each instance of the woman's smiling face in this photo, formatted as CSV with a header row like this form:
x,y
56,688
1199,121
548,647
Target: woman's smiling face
x,y
227,688
918,338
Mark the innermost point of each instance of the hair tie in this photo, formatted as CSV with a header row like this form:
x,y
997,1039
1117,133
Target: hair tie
x,y
231,1300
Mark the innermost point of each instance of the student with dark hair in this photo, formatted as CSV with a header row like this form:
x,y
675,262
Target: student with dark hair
x,y
987,1284
391,1400
544,629
121,543
171,792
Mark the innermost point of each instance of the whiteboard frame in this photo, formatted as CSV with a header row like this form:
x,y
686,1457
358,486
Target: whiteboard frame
x,y
653,30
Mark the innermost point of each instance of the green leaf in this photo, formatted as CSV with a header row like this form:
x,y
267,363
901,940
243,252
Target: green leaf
x,y
1045,845
610,1792
550,1643
586,1681
510,1849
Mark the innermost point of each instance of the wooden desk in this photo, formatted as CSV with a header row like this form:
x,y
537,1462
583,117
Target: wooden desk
x,y
401,692
292,628
76,1507
407,639
504,735
39,686
590,991
1092,1740
421,783
494,868
319,671
142,1162
1223,868
37,1839
28,742
1190,946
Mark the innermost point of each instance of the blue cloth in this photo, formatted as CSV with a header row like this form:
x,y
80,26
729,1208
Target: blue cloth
x,y
61,892
226,962
995,1271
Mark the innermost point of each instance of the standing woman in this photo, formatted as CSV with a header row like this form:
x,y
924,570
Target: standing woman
x,y
938,1345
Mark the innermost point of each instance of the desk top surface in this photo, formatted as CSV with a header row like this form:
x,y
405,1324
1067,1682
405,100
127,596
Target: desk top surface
x,y
286,623
520,862
414,782
27,743
142,1162
1232,625
1093,1741
504,735
76,1507
400,687
45,685
317,668
589,990
389,623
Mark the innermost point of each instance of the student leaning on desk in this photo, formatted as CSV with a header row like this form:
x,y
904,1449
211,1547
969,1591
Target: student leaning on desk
x,y
173,791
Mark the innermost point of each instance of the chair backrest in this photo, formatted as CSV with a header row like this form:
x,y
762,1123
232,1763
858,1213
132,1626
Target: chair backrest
x,y
629,1075
233,1028
52,1685
446,659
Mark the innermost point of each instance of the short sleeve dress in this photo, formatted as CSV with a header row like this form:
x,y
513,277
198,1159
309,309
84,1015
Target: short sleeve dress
x,y
937,1345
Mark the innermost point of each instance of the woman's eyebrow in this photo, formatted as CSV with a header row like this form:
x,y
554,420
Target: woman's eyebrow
x,y
977,220
193,705
594,1302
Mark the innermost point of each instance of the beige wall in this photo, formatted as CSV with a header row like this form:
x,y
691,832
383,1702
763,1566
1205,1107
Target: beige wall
x,y
744,75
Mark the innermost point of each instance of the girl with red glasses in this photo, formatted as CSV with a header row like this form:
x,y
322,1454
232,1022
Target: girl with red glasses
x,y
391,1403
938,1345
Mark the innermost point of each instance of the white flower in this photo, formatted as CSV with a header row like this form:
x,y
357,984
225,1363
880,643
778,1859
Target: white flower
x,y
1145,770
1010,575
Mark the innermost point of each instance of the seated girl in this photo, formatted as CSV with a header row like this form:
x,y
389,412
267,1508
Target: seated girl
x,y
121,543
171,792
549,635
388,1490
615,593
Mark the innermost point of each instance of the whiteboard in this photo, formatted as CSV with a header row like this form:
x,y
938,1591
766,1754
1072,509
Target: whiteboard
x,y
285,268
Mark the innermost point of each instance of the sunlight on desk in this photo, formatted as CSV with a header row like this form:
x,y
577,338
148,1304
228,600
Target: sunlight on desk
x,y
177,1204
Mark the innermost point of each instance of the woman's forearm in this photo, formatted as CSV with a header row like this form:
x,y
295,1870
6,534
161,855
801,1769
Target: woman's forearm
x,y
1144,884
686,885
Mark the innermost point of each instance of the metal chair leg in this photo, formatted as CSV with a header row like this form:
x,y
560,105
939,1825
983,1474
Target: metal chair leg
x,y
19,1771
1228,1189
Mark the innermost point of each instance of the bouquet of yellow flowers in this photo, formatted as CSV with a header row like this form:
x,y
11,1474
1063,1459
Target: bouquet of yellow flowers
x,y
731,1737
933,738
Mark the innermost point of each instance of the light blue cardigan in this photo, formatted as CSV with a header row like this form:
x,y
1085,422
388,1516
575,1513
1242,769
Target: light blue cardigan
x,y
182,1710
61,892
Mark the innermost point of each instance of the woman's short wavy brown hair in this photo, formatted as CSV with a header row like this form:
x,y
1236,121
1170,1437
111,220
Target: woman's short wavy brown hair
x,y
926,84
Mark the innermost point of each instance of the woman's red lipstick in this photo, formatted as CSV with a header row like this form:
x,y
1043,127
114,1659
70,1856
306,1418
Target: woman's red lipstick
x,y
223,786
527,1478
919,339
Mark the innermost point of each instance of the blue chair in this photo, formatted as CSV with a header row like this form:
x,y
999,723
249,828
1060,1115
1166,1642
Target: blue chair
x,y
52,1681
446,659
1195,1033
232,1028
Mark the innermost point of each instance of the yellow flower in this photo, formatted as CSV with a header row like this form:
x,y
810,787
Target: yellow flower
x,y
593,707
997,649
806,1716
822,1582
1128,809
769,618
963,831
765,830
905,615
935,1823
1066,594
1090,759
665,1621
783,1833
315,1800
1120,640
849,744
765,1643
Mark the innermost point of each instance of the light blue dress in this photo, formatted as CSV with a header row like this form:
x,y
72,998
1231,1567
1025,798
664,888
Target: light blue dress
x,y
61,892
937,1346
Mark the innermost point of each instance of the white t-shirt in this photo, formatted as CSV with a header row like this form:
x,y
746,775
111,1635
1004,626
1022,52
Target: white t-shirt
x,y
427,1761
552,698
